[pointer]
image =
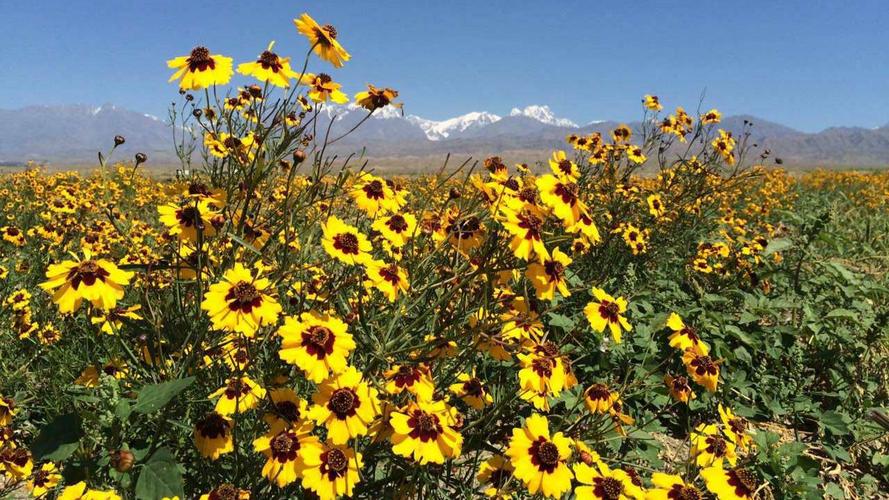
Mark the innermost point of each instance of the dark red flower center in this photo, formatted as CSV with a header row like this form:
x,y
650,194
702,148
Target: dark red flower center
x,y
609,310
200,60
87,272
544,454
318,341
424,426
608,488
346,243
284,446
270,60
243,297
343,403
213,426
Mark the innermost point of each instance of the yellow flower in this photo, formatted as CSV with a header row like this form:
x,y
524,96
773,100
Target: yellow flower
x,y
184,220
289,409
346,405
44,480
200,70
398,229
345,242
317,343
709,447
701,368
550,276
375,98
97,280
679,388
226,492
240,394
731,484
621,134
322,88
16,464
112,319
735,428
524,221
284,447
323,40
563,197
724,145
331,471
494,474
471,390
426,431
712,116
606,311
563,167
269,67
604,483
213,435
684,336
389,279
8,410
240,303
415,379
656,206
669,487
540,460
599,399
372,194
652,102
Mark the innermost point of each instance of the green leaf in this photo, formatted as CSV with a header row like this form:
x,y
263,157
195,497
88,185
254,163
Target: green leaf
x,y
777,245
160,477
58,439
153,397
842,313
123,409
835,422
833,490
560,321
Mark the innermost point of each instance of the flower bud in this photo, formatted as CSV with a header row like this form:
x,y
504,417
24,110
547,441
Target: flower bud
x,y
122,460
118,140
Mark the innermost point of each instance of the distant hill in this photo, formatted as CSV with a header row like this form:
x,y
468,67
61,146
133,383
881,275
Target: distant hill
x,y
72,135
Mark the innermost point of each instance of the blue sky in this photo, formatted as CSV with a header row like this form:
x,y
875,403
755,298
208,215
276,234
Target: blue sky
x,y
806,64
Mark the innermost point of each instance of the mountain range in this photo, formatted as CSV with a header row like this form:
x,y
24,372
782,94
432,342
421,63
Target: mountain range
x,y
72,135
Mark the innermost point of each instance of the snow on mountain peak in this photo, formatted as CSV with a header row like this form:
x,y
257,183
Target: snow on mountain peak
x,y
437,130
542,114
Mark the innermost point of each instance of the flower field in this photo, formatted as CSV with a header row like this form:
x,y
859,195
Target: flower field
x,y
651,314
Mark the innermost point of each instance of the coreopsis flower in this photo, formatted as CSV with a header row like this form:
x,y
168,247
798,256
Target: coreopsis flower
x,y
701,368
200,69
389,279
587,228
684,336
345,242
562,196
319,344
735,427
111,320
397,228
284,447
416,379
331,471
428,431
540,460
524,221
226,492
346,405
465,233
599,398
541,375
13,235
80,491
288,408
238,395
563,167
725,145
494,474
550,275
656,206
652,102
225,145
712,116
373,98
671,486
636,154
213,435
43,480
8,410
710,447
606,311
372,194
621,134
186,219
471,390
323,40
16,464
269,67
520,322
679,388
97,280
604,483
240,302
322,88
730,484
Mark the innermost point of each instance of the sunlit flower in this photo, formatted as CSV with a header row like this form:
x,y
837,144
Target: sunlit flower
x,y
562,196
540,461
240,302
389,279
112,319
80,491
604,483
598,398
652,102
397,228
97,280
550,275
322,88
679,388
269,67
736,428
563,167
427,431
318,344
374,98
471,390
284,447
346,405
331,471
684,336
606,311
226,492
656,206
494,474
213,435
345,242
44,480
701,368
710,447
415,379
323,40
200,69
238,395
730,484
671,487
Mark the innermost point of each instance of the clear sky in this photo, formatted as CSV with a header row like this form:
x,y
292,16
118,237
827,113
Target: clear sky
x,y
806,64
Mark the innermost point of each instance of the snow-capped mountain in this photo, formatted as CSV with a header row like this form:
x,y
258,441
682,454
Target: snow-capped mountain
x,y
542,114
453,127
